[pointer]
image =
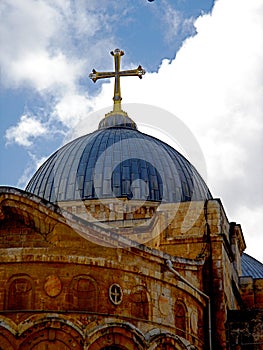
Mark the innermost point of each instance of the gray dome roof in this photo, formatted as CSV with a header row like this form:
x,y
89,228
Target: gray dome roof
x,y
118,161
251,267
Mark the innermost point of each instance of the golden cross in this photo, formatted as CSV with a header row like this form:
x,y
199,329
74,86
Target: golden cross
x,y
117,74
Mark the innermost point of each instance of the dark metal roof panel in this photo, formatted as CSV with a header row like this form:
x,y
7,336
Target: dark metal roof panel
x,y
251,267
118,162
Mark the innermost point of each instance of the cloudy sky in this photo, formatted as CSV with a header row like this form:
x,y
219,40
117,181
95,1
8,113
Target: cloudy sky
x,y
204,63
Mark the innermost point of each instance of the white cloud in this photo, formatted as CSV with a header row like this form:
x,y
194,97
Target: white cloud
x,y
250,229
71,109
30,169
25,131
40,40
215,85
44,55
26,26
44,71
172,21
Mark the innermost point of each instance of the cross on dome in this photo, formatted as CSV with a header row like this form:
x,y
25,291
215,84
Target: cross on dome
x,y
117,53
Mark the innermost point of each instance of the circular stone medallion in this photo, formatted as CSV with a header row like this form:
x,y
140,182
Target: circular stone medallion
x,y
115,294
53,285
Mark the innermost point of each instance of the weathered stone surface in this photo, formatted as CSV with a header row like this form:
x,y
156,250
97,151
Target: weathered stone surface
x,y
56,273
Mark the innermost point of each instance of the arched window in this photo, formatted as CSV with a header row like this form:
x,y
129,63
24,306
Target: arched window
x,y
180,318
140,303
83,294
20,293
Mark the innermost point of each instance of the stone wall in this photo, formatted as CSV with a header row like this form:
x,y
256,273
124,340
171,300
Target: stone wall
x,y
58,288
91,283
245,329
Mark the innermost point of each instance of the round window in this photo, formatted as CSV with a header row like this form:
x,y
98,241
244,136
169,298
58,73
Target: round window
x,y
115,294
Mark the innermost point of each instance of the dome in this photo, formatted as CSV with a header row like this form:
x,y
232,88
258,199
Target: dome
x,y
251,267
119,161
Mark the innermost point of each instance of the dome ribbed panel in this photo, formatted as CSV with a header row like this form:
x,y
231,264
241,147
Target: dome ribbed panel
x,y
118,162
251,267
51,179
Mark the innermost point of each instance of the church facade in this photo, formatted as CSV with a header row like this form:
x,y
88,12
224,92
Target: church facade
x,y
118,244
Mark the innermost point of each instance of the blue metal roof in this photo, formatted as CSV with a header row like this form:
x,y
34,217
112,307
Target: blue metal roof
x,y
118,162
251,267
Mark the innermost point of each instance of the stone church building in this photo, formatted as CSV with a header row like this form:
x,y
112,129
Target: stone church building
x,y
117,244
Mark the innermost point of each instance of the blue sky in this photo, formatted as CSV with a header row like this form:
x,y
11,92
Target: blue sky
x,y
204,65
85,32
